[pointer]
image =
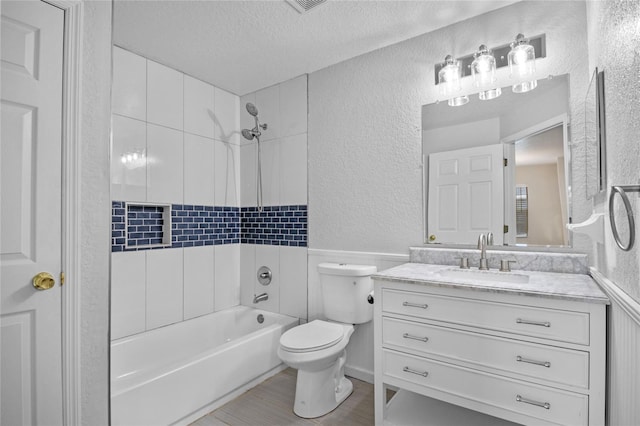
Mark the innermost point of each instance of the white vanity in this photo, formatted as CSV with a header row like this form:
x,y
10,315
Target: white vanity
x,y
464,345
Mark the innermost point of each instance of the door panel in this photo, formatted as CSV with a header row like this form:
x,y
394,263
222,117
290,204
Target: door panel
x,y
30,225
469,201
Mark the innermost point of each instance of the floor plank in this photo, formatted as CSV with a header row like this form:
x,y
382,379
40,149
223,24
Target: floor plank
x,y
271,404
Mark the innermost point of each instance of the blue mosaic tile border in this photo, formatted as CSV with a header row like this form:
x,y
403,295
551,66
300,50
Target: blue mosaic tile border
x,y
204,225
143,227
275,225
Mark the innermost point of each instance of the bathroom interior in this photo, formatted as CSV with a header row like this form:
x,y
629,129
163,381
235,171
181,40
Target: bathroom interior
x,y
290,212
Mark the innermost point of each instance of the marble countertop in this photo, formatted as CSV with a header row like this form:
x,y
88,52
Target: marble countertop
x,y
553,285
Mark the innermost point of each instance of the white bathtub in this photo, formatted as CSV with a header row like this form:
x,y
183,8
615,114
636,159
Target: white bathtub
x,y
174,374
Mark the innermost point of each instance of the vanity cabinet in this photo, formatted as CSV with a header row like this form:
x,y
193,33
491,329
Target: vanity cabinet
x,y
516,355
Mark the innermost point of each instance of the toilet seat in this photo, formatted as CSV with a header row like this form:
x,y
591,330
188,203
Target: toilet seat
x,y
313,336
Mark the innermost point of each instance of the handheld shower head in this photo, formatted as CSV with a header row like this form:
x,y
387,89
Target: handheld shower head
x,y
251,109
248,134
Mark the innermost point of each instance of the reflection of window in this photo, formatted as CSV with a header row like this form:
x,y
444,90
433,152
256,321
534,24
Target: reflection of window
x,y
522,211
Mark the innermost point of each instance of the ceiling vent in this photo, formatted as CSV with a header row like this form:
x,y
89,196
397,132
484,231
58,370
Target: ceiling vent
x,y
303,6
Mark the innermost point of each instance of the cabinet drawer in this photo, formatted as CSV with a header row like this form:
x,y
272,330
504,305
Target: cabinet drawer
x,y
549,363
545,403
564,326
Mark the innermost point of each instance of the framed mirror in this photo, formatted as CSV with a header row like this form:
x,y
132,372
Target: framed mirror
x,y
594,135
500,166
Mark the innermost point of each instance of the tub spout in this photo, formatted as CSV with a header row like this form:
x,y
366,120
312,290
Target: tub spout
x,y
260,297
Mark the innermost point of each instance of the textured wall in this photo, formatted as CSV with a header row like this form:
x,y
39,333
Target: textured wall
x,y
614,45
614,42
365,177
94,197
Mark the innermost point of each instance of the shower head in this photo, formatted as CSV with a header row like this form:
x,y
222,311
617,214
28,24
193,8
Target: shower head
x,y
251,109
248,134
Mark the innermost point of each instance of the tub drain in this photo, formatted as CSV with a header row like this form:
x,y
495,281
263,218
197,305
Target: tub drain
x,y
260,318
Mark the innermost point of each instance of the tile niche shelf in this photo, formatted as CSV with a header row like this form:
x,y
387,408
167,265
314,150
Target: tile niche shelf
x,y
148,225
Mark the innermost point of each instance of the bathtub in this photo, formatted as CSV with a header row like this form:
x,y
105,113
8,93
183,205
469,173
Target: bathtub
x,y
174,374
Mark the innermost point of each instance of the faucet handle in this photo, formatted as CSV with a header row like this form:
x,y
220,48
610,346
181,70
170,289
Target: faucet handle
x,y
505,264
464,262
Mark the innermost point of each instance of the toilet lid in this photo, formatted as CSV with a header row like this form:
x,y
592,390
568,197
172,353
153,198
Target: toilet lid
x,y
312,336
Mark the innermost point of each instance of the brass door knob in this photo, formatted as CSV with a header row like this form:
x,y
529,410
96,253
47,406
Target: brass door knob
x,y
43,281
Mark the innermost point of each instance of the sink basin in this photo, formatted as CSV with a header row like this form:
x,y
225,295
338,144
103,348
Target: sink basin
x,y
491,276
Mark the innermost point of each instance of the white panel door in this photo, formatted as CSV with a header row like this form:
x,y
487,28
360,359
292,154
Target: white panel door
x,y
30,155
466,195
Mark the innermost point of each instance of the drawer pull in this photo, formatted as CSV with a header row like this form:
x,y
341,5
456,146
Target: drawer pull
x,y
545,405
540,323
409,336
415,305
412,371
533,361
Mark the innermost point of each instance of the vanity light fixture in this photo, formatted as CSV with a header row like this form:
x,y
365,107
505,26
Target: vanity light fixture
x,y
483,69
522,64
449,82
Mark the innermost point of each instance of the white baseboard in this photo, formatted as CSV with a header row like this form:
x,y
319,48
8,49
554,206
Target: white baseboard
x,y
359,373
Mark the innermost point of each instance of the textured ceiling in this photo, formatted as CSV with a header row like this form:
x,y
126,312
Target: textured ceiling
x,y
243,46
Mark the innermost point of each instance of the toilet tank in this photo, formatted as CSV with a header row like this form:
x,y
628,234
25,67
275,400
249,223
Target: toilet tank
x,y
345,288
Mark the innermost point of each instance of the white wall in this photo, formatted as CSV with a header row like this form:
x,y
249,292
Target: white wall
x,y
613,46
93,208
283,108
365,178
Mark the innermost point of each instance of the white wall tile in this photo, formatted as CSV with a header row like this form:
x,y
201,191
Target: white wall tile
x,y
227,272
198,281
293,281
270,156
164,164
199,107
293,170
247,273
227,116
164,287
246,119
268,256
227,174
127,293
268,104
248,173
129,86
164,96
129,141
293,106
199,174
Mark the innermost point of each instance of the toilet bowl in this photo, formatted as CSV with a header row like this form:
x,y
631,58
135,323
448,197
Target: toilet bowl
x,y
317,351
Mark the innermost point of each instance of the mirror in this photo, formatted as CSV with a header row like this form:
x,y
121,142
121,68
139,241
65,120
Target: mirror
x,y
594,133
500,166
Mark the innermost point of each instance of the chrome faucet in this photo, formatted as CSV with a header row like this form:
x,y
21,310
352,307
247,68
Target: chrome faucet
x,y
260,297
482,246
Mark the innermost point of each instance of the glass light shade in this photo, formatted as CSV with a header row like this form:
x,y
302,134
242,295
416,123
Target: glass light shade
x,y
522,64
483,69
458,101
449,77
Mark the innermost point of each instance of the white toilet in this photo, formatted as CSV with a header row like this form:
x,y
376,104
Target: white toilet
x,y
317,349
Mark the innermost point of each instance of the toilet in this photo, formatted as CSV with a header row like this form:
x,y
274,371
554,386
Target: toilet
x,y
317,349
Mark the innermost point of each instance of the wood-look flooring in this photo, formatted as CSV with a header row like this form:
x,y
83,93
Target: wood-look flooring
x,y
271,404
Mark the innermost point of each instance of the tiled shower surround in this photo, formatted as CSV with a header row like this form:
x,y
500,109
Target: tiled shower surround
x,y
140,227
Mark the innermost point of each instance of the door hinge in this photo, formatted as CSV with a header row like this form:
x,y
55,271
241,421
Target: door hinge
x,y
61,279
505,161
505,229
